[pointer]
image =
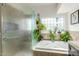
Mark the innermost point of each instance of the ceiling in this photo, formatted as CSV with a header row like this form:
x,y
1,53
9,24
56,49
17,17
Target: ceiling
x,y
67,7
44,9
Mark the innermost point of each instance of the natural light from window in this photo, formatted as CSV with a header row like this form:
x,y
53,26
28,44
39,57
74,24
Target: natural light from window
x,y
52,23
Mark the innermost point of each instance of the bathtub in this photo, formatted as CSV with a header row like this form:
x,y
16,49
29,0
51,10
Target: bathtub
x,y
47,47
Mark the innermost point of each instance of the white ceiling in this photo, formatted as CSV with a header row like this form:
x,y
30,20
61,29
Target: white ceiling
x,y
44,9
23,8
38,4
67,7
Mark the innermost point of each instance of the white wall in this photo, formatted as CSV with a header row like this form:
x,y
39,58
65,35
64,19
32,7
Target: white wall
x,y
66,27
74,27
67,23
69,8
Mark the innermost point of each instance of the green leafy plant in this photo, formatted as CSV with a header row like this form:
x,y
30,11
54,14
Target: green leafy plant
x,y
37,31
65,36
52,35
37,35
39,25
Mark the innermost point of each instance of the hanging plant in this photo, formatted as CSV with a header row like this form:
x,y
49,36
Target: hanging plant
x,y
37,35
37,32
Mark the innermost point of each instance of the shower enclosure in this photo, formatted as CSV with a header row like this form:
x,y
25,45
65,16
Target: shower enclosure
x,y
15,32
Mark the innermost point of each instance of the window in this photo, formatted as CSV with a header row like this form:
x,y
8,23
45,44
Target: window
x,y
52,23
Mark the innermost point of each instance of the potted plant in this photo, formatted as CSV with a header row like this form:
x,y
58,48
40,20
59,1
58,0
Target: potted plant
x,y
52,36
65,36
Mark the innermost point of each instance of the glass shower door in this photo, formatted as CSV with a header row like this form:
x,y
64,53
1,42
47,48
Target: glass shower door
x,y
16,32
9,28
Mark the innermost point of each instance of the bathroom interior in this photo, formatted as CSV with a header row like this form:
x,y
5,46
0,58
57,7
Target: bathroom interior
x,y
18,21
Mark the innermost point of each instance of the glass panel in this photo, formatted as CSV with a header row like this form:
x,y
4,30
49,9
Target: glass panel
x,y
16,32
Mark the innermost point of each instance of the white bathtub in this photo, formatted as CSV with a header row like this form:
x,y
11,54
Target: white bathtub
x,y
50,46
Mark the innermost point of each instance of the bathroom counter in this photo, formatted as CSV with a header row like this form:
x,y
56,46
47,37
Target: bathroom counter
x,y
74,48
75,44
